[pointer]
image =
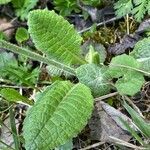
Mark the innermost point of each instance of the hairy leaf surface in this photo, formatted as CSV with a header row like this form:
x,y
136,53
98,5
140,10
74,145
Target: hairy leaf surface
x,y
55,71
141,52
60,113
54,36
95,78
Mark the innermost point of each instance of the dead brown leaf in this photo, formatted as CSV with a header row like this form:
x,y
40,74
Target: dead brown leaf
x,y
103,126
4,25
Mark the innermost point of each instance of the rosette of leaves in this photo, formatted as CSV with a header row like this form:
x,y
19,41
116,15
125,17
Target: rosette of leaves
x,y
62,109
65,109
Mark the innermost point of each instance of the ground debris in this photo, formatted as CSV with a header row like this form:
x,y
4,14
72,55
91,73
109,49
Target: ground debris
x,y
103,125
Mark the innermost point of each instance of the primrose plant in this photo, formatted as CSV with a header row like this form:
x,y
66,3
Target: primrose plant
x,y
61,111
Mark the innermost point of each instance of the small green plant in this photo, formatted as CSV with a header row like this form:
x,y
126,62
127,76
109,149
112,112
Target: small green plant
x,y
67,6
22,7
61,111
21,35
16,72
138,8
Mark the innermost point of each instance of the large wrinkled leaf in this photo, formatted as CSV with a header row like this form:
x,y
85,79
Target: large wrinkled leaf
x,y
95,78
141,52
60,113
125,68
54,36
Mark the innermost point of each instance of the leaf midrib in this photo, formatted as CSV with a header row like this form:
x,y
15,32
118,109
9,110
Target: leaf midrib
x,y
53,113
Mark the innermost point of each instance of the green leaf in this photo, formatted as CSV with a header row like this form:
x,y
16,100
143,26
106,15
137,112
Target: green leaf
x,y
130,84
141,124
12,95
92,56
18,3
22,75
21,35
4,1
126,68
6,60
140,9
3,36
148,7
132,131
136,7
123,7
141,52
95,78
65,7
122,64
60,114
96,49
54,36
35,56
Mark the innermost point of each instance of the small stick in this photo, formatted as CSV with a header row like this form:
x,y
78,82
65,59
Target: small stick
x,y
106,96
127,21
124,143
99,24
93,146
